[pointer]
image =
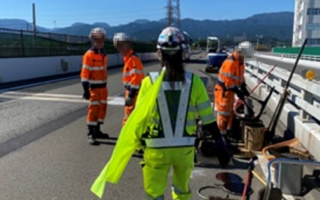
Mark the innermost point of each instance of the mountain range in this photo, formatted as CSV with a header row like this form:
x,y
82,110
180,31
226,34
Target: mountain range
x,y
277,26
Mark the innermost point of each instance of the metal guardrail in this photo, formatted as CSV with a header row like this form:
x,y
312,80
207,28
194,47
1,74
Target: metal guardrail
x,y
283,161
304,94
315,58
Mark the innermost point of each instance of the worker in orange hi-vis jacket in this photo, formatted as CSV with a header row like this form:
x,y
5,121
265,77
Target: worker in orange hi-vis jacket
x,y
94,81
230,82
132,72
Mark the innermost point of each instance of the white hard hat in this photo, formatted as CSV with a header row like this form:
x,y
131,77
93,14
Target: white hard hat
x,y
246,49
97,31
171,39
121,37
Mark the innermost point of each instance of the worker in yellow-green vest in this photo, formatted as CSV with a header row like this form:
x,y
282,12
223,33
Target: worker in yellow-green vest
x,y
164,123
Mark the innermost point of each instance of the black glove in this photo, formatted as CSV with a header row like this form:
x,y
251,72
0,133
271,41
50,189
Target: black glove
x,y
239,93
128,101
86,93
244,89
132,93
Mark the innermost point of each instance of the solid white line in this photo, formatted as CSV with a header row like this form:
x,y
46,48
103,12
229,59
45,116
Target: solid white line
x,y
42,94
111,100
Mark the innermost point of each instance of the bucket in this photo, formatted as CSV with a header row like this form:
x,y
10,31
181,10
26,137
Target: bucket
x,y
254,136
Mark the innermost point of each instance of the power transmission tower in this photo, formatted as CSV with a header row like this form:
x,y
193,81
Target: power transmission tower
x,y
173,13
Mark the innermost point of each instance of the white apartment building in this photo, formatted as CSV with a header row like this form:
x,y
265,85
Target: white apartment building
x,y
306,23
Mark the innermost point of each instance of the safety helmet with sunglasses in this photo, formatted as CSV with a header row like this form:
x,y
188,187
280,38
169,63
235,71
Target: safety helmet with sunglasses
x,y
171,40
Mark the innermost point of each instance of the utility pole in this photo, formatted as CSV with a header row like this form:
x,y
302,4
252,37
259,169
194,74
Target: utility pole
x,y
173,13
34,19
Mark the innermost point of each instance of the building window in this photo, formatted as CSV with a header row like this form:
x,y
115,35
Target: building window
x,y
313,11
313,41
313,26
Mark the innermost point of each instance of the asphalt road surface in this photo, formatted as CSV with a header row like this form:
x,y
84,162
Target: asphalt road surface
x,y
45,154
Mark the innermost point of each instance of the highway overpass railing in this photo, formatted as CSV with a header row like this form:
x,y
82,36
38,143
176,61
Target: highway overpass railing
x,y
301,113
306,64
315,58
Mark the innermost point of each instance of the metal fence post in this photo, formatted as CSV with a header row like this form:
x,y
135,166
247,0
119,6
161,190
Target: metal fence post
x,y
21,41
49,36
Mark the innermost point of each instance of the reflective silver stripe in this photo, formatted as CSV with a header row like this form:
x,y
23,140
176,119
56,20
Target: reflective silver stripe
x,y
94,103
98,68
155,120
229,75
167,86
103,101
135,86
97,81
93,68
125,115
204,105
148,197
126,84
178,191
86,67
192,108
92,123
101,120
178,140
183,106
191,122
207,118
223,113
169,142
84,80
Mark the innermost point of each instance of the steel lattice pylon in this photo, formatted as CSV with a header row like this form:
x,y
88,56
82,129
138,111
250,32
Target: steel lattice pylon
x,y
173,13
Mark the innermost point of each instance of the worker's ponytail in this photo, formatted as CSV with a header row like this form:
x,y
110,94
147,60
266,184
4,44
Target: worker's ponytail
x,y
174,66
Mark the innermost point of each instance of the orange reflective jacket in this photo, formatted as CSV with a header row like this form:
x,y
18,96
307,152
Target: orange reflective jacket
x,y
94,68
231,73
132,71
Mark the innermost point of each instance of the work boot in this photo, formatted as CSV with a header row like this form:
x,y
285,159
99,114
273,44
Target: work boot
x,y
100,134
92,135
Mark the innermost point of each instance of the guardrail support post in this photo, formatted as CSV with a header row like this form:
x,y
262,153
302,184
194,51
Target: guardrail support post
x,y
307,96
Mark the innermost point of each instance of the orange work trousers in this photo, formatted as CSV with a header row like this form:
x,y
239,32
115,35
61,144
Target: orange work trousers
x,y
224,104
97,106
128,109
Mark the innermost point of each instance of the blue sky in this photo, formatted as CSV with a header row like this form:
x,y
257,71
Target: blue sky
x,y
62,13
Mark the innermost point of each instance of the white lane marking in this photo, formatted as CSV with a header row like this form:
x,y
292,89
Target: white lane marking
x,y
113,100
116,101
42,94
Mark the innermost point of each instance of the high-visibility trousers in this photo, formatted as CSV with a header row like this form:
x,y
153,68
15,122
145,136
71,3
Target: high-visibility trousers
x,y
97,106
224,105
128,109
156,167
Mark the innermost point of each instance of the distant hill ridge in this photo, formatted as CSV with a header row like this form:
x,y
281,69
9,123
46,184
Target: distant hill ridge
x,y
272,25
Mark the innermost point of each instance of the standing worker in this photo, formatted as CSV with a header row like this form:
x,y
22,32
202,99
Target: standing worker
x,y
165,120
132,72
230,82
94,81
